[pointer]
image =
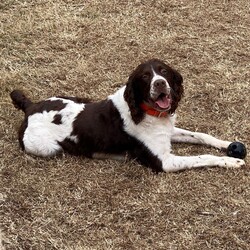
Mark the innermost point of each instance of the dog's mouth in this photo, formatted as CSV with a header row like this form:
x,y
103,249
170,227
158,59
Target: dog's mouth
x,y
162,102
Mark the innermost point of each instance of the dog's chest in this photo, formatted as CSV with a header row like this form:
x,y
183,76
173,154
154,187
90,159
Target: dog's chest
x,y
155,133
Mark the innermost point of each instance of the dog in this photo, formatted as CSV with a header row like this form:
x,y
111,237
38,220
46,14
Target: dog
x,y
137,121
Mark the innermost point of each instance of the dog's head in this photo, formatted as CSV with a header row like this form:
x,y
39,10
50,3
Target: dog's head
x,y
156,84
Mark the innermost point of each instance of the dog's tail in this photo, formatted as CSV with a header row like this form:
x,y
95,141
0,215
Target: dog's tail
x,y
19,100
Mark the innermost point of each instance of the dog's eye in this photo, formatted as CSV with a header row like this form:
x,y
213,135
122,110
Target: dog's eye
x,y
145,76
164,71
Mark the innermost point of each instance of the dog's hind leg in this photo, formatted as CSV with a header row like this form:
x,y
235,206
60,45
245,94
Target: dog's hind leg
x,y
186,136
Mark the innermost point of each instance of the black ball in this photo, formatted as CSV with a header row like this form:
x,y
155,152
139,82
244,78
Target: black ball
x,y
237,150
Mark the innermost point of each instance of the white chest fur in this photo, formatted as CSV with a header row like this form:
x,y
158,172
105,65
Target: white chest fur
x,y
155,133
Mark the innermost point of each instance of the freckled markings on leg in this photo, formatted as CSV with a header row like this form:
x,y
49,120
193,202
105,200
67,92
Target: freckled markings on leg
x,y
191,135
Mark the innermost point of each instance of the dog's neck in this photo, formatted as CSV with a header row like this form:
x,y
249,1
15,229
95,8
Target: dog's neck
x,y
152,111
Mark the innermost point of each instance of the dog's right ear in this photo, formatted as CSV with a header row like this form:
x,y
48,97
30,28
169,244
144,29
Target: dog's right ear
x,y
134,99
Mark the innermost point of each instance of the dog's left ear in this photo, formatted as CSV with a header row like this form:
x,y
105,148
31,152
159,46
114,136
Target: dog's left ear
x,y
177,77
177,89
134,99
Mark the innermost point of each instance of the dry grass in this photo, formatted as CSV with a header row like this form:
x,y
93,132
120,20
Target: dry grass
x,y
88,48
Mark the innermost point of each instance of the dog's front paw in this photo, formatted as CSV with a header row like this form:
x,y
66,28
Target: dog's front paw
x,y
229,162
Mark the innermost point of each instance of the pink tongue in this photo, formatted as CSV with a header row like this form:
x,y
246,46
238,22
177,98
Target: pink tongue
x,y
163,102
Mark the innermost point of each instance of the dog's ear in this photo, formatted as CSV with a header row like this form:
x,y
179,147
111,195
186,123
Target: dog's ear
x,y
177,77
134,98
177,89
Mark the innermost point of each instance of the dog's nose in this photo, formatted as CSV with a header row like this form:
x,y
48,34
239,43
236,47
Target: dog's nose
x,y
159,83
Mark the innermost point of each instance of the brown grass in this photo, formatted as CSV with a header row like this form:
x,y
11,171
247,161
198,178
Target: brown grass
x,y
88,48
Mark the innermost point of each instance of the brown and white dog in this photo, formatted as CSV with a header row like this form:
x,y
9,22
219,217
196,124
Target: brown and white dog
x,y
137,120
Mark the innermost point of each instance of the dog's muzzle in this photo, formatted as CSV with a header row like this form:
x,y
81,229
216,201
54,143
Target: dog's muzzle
x,y
160,94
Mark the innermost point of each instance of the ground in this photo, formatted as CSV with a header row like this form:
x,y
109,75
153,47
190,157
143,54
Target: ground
x,y
88,48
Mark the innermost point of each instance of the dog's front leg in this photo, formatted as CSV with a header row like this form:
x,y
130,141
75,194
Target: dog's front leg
x,y
175,163
186,136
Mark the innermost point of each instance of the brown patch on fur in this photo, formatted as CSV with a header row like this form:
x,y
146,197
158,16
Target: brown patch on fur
x,y
88,48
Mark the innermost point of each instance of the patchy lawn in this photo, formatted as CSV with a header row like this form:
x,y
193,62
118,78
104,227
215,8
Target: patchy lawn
x,y
88,48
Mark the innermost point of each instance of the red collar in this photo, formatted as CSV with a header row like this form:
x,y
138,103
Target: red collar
x,y
151,111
